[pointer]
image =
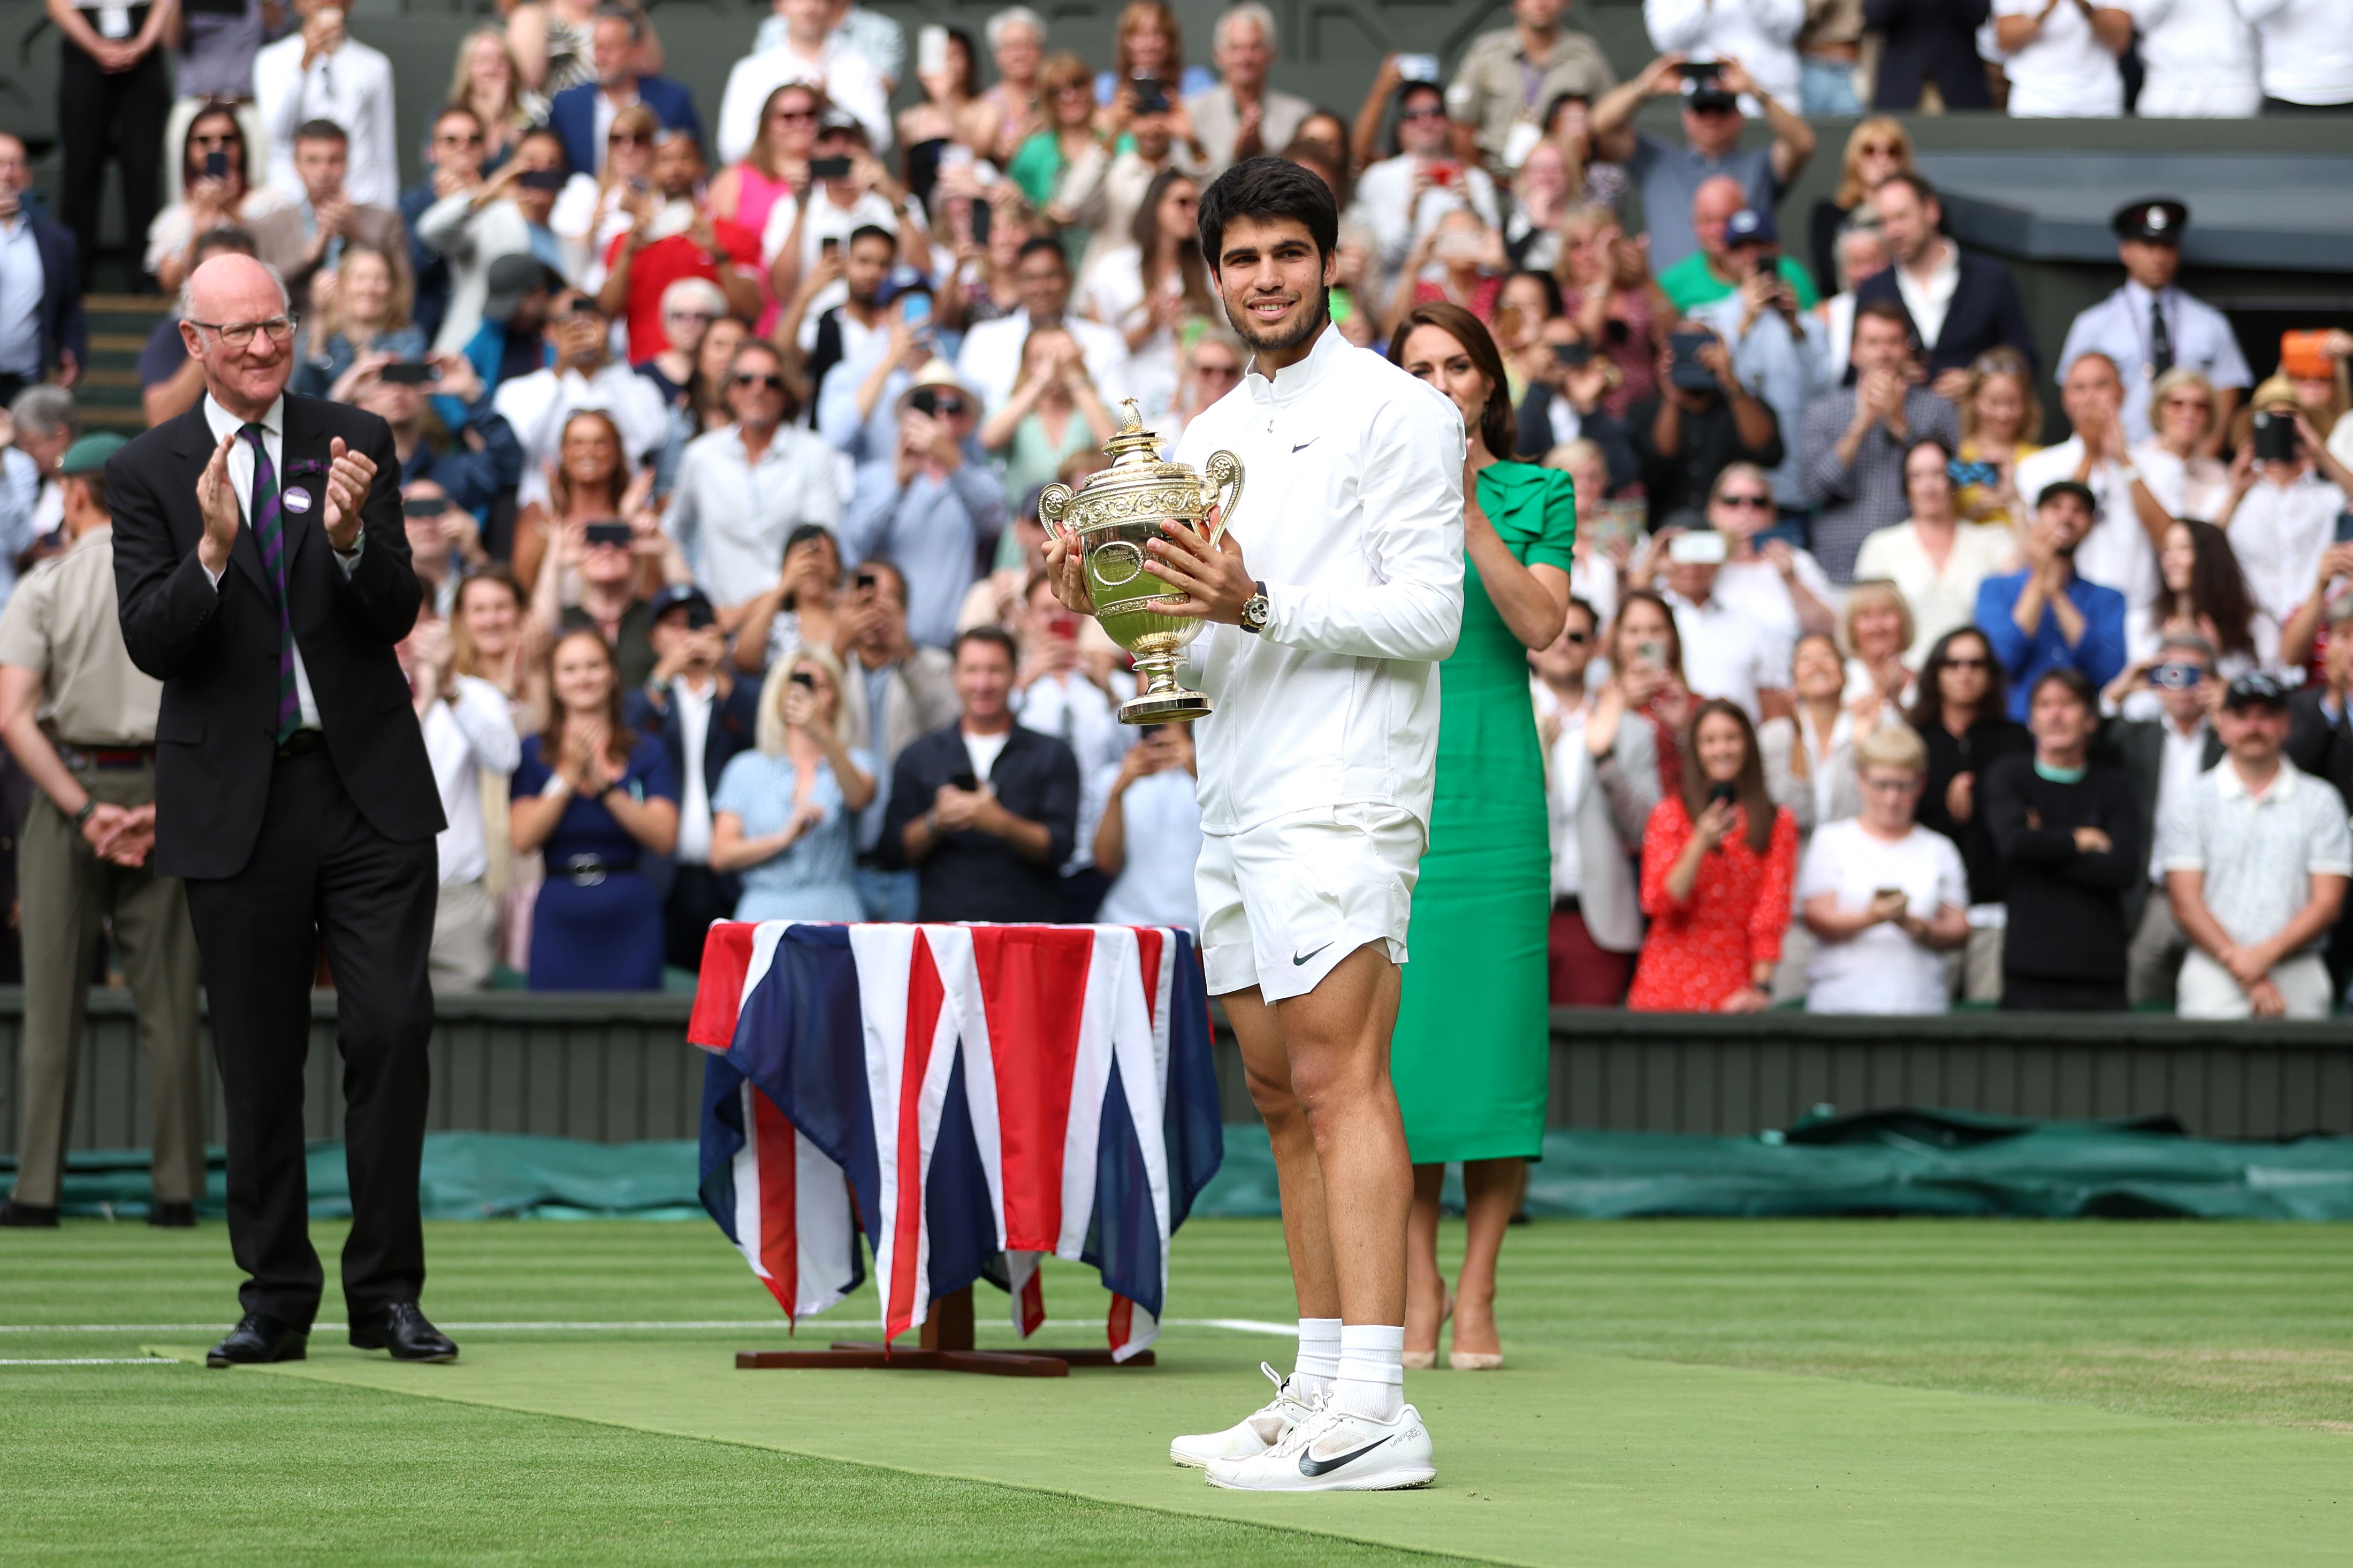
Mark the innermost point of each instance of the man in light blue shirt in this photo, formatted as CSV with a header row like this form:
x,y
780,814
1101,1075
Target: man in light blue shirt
x,y
1781,353
930,504
2150,326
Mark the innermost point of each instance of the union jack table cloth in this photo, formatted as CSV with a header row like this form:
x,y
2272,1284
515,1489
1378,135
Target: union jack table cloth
x,y
967,1098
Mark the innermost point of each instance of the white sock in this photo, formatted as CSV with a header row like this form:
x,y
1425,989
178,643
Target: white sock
x,y
1372,1371
1319,1355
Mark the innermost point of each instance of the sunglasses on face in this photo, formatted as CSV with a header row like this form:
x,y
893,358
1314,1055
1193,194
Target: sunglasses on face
x,y
704,316
1750,504
1223,372
788,115
629,138
1967,664
457,139
1423,114
772,382
1877,151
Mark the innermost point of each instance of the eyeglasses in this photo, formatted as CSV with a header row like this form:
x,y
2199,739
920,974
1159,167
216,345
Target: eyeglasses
x,y
238,335
1905,785
1879,150
629,138
792,114
745,378
1423,114
1751,503
457,139
705,317
1967,664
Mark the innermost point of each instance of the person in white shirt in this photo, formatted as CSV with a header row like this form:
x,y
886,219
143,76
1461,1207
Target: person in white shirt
x,y
2161,710
1884,897
2060,56
1401,198
503,216
1601,779
1069,691
2185,407
584,375
468,731
801,231
2199,61
1727,652
809,53
2128,524
743,489
2307,53
1318,762
990,360
321,72
1760,33
2281,513
2256,858
1935,559
1149,835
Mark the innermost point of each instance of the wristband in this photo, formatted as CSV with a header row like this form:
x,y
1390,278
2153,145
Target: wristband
x,y
89,809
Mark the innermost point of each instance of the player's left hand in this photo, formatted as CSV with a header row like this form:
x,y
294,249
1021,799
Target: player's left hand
x,y
349,474
1212,578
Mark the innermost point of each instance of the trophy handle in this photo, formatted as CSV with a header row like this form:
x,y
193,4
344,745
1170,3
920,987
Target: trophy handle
x,y
1053,503
1224,473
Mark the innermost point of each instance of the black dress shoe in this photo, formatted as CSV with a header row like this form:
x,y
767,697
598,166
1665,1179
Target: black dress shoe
x,y
401,1328
257,1339
172,1216
26,1217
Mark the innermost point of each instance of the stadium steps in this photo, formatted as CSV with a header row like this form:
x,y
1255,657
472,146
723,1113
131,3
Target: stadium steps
x,y
107,397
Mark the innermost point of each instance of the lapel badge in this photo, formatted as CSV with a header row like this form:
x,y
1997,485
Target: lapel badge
x,y
296,500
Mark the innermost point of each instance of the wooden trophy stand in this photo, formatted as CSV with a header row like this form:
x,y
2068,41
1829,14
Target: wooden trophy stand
x,y
946,1346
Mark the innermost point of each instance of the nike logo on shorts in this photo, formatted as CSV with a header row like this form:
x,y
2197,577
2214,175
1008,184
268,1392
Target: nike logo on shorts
x,y
1309,1465
1297,960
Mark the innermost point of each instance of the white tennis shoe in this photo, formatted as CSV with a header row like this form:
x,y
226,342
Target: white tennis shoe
x,y
1256,1433
1334,1451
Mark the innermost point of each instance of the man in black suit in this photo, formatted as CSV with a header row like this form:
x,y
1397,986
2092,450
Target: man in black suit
x,y
262,572
55,335
2320,732
984,810
1981,308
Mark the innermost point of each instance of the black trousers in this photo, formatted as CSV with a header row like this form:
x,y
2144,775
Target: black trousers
x,y
121,117
2041,994
697,895
321,874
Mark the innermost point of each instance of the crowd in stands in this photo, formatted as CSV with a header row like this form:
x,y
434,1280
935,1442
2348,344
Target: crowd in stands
x,y
722,425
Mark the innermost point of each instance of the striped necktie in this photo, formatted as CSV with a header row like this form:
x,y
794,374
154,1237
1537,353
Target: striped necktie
x,y
269,533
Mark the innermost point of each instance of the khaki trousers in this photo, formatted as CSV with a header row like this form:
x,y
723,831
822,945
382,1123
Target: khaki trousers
x,y
66,890
465,925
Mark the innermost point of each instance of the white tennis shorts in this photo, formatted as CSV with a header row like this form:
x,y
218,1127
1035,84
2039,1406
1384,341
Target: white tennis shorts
x,y
1285,901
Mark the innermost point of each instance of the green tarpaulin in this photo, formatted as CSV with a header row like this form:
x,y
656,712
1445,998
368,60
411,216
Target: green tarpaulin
x,y
1882,1162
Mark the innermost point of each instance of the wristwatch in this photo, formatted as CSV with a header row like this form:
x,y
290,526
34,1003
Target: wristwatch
x,y
1256,612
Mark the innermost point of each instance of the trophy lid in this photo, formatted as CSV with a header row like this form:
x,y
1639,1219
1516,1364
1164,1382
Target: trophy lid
x,y
1131,444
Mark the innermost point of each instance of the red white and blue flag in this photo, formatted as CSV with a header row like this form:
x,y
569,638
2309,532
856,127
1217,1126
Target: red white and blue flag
x,y
970,1097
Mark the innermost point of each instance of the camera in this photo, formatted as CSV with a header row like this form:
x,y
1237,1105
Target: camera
x,y
410,372
611,530
834,168
2174,675
804,680
1573,356
1151,98
2274,437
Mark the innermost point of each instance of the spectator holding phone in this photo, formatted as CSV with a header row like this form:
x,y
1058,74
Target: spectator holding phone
x,y
851,191
784,815
2046,618
1459,262
804,608
1960,717
581,374
1776,584
471,462
1723,223
2165,744
216,193
861,331
1646,681
1854,437
1779,346
743,491
319,71
1150,832
475,224
1718,857
1605,288
2074,843
1700,420
591,210
2256,858
2204,595
332,219
1107,185
1568,386
592,520
364,311
1885,897
1937,560
1152,289
1670,176
1053,413
2001,425
2287,491
808,52
931,502
1400,199
672,235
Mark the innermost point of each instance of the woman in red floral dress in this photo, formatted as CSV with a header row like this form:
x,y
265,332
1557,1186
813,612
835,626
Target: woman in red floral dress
x,y
1716,877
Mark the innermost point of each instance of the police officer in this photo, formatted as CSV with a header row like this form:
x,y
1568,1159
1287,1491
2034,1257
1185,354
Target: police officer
x,y
80,720
2148,326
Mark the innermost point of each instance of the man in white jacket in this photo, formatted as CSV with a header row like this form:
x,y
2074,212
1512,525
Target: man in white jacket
x,y
1331,599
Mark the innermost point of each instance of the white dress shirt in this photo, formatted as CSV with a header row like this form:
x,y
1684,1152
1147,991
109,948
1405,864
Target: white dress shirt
x,y
1384,204
1725,653
352,86
222,422
2279,533
537,405
693,792
2201,59
471,731
2065,71
848,78
730,516
1931,299
22,284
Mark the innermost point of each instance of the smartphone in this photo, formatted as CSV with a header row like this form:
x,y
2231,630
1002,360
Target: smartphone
x,y
1699,70
828,245
1652,653
409,372
1416,68
2274,438
1723,791
981,213
867,581
1458,245
424,506
932,48
836,168
216,165
1788,533
804,680
1443,175
1065,627
612,531
965,781
925,401
1967,474
1573,355
543,179
1685,369
2344,527
1700,547
915,310
1151,98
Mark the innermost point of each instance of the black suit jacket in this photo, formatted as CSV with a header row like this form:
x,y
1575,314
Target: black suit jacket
x,y
215,649
974,876
1985,313
2319,747
1928,40
734,727
62,327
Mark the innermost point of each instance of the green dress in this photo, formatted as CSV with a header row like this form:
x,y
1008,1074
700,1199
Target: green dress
x,y
1473,1045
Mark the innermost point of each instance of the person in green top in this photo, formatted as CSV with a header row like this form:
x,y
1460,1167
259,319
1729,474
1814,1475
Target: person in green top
x,y
1732,241
1473,1040
1066,97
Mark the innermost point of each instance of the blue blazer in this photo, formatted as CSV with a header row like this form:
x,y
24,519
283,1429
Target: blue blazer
x,y
572,115
62,327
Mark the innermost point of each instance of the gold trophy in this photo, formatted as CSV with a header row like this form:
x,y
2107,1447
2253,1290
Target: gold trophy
x,y
1121,510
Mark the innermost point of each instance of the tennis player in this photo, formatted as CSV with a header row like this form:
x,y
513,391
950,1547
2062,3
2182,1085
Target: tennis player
x,y
1331,599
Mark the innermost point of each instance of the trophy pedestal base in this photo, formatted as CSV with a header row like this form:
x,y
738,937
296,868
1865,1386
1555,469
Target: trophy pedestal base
x,y
1164,707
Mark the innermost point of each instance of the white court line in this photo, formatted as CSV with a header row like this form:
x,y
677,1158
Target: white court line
x,y
1237,1325
99,1361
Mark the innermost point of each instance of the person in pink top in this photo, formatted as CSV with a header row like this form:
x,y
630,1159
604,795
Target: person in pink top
x,y
775,167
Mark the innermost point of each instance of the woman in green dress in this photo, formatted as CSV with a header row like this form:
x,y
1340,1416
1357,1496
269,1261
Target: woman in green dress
x,y
1472,1041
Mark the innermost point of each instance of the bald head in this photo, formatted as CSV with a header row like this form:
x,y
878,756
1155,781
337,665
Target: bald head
x,y
233,296
1713,204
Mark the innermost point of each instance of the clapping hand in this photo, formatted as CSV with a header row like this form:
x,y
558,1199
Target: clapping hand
x,y
216,501
958,809
349,476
